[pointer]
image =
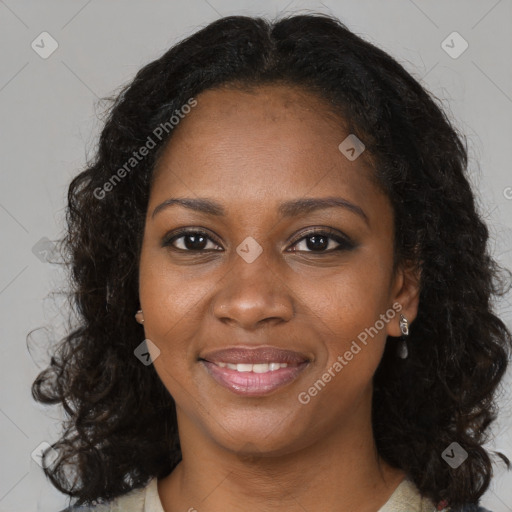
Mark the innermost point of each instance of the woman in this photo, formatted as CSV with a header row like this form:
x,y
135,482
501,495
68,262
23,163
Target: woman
x,y
286,211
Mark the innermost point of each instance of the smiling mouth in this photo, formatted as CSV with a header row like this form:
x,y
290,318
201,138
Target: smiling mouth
x,y
256,379
256,368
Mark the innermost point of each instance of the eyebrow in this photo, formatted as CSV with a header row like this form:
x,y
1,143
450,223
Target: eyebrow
x,y
290,208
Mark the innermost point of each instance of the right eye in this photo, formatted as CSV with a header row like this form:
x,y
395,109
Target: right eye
x,y
189,240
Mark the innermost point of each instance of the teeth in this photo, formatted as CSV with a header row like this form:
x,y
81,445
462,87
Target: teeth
x,y
260,368
243,367
256,368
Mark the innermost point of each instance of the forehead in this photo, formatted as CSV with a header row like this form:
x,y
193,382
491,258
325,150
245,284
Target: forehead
x,y
270,102
269,143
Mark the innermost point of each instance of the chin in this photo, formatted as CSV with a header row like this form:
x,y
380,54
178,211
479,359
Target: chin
x,y
264,437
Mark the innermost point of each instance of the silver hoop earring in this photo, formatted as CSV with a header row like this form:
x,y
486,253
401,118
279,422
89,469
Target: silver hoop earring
x,y
402,350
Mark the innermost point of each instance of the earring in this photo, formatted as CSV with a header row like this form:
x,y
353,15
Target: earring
x,y
402,351
108,296
139,317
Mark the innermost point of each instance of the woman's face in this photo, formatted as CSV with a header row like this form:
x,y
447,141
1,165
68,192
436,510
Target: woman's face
x,y
259,277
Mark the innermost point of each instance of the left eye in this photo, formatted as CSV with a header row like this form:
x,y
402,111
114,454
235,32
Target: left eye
x,y
319,241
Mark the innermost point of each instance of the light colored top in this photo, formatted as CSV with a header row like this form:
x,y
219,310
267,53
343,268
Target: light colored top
x,y
405,498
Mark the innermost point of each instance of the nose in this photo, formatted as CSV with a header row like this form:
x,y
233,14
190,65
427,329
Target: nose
x,y
252,295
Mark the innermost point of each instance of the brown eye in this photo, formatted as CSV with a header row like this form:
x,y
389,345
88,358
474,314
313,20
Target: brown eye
x,y
189,241
319,240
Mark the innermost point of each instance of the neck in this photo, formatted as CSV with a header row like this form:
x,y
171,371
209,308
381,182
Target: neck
x,y
339,471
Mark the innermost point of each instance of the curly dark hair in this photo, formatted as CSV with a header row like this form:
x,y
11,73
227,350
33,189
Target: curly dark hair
x,y
120,429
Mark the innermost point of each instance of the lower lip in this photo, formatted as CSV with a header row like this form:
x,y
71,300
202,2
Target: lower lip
x,y
253,384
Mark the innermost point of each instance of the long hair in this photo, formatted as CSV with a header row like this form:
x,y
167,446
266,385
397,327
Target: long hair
x,y
120,427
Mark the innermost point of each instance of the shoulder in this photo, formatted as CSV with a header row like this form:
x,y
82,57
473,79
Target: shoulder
x,y
469,507
104,507
90,508
132,501
407,493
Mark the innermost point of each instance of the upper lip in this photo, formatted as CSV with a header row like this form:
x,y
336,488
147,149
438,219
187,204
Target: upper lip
x,y
236,355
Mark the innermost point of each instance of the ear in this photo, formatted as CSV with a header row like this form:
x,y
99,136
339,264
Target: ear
x,y
405,296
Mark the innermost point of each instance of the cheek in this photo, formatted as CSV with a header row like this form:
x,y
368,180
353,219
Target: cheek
x,y
172,306
349,308
349,300
353,349
170,298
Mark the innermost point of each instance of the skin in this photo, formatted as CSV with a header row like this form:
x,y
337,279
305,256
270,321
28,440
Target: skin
x,y
251,150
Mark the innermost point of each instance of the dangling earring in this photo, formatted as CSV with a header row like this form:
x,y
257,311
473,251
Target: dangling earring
x,y
402,351
139,317
107,301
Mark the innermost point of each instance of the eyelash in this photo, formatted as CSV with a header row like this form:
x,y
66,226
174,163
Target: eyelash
x,y
344,242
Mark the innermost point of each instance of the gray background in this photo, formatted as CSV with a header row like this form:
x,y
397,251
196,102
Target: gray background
x,y
49,108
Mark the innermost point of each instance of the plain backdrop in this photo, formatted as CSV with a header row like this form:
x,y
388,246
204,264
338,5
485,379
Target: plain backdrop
x,y
49,114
